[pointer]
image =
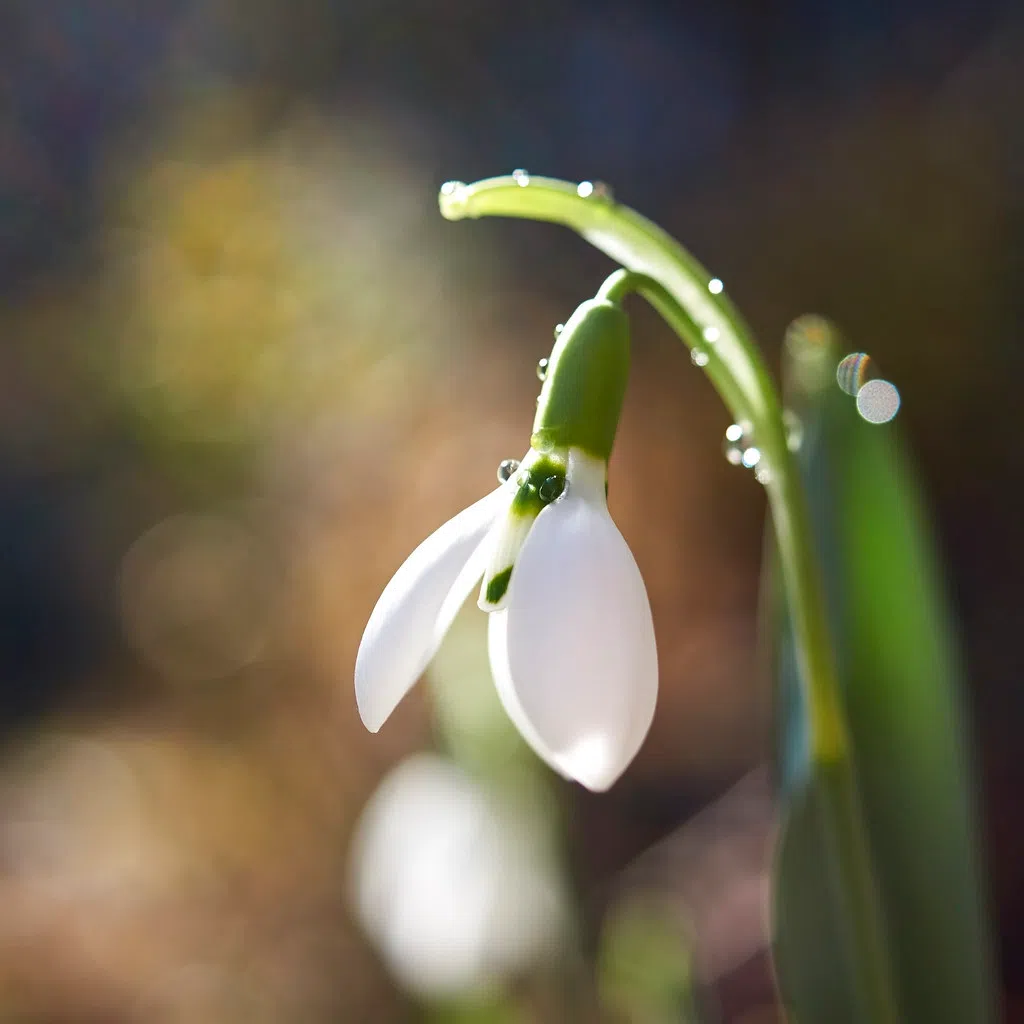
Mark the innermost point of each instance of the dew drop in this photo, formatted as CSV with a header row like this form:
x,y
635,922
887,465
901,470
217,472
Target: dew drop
x,y
733,444
699,357
584,189
449,188
878,401
711,335
542,369
506,469
551,488
522,177
854,371
740,449
762,474
794,430
715,286
558,329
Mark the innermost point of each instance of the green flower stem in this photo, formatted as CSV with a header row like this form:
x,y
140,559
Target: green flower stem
x,y
679,288
623,282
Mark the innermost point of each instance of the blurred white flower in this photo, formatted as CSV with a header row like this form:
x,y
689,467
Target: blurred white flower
x,y
453,887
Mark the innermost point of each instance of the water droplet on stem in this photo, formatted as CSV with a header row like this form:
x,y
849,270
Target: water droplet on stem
x,y
878,401
741,450
854,371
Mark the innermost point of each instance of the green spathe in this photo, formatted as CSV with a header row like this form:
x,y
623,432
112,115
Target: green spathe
x,y
581,399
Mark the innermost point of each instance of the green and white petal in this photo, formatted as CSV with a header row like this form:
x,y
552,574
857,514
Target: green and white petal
x,y
539,481
414,612
573,652
507,539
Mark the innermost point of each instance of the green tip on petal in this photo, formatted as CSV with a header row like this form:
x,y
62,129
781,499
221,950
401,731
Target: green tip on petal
x,y
581,400
498,585
540,481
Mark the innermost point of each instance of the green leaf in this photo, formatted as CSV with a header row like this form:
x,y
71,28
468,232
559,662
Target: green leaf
x,y
903,694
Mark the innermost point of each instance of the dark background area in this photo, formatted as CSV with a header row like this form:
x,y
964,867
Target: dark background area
x,y
186,188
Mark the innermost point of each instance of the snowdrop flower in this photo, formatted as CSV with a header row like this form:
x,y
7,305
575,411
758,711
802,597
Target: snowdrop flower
x,y
571,640
452,881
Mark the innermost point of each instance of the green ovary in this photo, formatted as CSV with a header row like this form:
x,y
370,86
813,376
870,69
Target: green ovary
x,y
581,400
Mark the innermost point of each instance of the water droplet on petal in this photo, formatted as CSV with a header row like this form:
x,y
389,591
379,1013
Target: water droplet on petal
x,y
878,401
506,469
762,474
750,457
794,430
699,357
558,329
715,286
521,176
584,189
551,488
711,335
854,371
542,369
449,188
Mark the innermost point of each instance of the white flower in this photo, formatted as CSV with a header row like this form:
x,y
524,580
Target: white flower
x,y
570,635
452,881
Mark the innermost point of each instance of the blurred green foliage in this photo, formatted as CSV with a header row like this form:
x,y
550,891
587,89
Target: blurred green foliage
x,y
903,685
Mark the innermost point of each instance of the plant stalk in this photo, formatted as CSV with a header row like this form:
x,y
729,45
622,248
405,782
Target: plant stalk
x,y
695,306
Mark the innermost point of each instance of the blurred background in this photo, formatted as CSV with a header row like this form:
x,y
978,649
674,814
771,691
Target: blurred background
x,y
245,367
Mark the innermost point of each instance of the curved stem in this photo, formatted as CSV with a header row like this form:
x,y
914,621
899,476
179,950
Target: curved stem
x,y
622,282
638,245
695,305
789,515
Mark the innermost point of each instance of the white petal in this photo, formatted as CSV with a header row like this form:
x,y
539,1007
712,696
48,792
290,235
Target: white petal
x,y
573,654
452,882
511,530
508,537
412,615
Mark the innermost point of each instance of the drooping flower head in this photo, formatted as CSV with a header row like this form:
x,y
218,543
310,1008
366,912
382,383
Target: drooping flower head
x,y
570,635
